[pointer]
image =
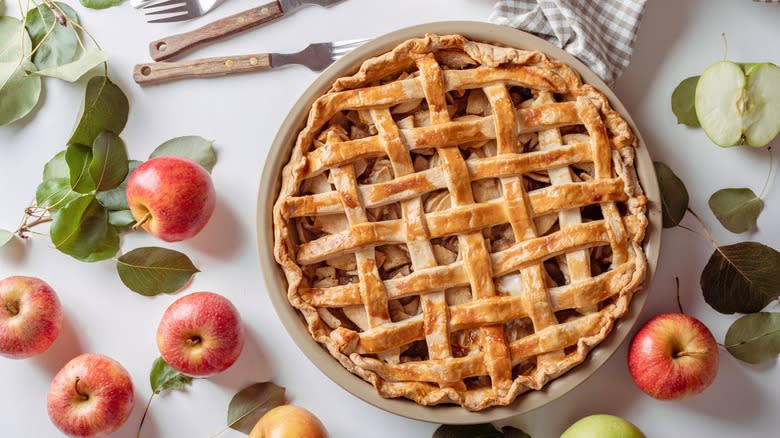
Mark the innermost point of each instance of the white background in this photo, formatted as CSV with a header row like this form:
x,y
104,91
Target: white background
x,y
677,39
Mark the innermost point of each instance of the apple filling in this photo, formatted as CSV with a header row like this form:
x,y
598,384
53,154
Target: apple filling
x,y
393,261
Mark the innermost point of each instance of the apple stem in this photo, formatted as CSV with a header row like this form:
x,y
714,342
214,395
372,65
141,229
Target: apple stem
x,y
146,410
725,46
143,220
690,353
83,396
12,307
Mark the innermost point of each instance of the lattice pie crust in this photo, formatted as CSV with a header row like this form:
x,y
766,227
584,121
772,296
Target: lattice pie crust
x,y
461,222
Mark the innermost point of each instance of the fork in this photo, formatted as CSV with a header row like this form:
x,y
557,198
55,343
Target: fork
x,y
316,56
178,10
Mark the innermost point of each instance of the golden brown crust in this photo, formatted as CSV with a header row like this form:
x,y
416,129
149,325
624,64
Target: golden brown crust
x,y
400,230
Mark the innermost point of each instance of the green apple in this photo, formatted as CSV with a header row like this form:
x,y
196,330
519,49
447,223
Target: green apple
x,y
738,104
602,426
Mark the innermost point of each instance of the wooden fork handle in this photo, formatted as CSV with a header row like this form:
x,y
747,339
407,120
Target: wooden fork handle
x,y
173,45
157,72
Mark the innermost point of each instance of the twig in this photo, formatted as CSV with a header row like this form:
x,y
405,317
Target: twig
x,y
26,227
679,304
43,40
704,227
766,182
146,411
58,14
684,227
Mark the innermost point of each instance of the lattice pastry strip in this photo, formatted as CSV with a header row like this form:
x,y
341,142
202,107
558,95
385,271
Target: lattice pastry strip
x,y
421,253
577,262
373,296
472,245
534,290
416,111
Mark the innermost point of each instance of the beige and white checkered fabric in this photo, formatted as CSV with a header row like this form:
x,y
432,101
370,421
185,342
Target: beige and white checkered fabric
x,y
600,33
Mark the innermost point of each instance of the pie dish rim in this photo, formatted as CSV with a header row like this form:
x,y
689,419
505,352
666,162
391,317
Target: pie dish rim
x,y
274,279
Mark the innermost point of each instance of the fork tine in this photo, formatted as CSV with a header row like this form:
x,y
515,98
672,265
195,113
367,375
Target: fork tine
x,y
182,8
354,42
173,18
340,48
343,49
154,4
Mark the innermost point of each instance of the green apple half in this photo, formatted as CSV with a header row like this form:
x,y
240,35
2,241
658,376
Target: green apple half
x,y
739,103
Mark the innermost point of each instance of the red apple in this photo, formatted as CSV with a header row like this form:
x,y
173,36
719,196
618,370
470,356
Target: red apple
x,y
30,316
288,421
200,334
172,198
91,396
673,356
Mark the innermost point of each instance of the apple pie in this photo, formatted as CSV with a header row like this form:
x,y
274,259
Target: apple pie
x,y
460,222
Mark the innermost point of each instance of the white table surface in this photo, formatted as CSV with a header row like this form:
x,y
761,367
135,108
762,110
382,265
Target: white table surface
x,y
677,39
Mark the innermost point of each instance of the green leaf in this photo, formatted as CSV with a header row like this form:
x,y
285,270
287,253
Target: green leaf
x,y
736,209
2,7
116,199
513,432
683,98
55,193
121,218
81,230
105,109
78,158
743,277
485,430
100,4
193,147
152,270
674,195
19,92
57,167
5,237
755,338
251,403
57,44
164,377
106,248
11,49
73,71
108,167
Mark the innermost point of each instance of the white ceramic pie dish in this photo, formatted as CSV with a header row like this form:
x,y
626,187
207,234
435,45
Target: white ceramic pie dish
x,y
276,283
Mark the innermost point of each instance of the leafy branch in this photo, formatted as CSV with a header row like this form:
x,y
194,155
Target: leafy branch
x,y
45,42
738,278
162,377
82,193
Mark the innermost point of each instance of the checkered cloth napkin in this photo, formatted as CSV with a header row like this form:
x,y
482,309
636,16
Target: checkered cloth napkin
x,y
600,33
